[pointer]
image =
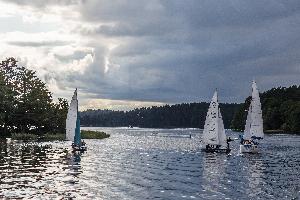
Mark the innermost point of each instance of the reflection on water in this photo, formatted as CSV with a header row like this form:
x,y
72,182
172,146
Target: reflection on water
x,y
213,174
31,170
137,164
255,167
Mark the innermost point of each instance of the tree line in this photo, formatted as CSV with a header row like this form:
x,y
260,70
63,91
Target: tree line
x,y
280,109
183,115
26,105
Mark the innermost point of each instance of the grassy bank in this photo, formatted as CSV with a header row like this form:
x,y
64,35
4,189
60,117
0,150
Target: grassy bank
x,y
93,134
52,137
23,136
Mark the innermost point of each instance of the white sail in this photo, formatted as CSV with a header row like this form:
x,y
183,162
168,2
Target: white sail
x,y
210,132
71,118
254,123
221,130
256,128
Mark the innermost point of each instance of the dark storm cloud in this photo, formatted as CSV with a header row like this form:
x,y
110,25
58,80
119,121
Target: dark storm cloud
x,y
196,46
176,51
194,13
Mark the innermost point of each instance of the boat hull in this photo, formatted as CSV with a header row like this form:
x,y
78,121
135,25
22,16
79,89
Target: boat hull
x,y
81,149
249,148
216,150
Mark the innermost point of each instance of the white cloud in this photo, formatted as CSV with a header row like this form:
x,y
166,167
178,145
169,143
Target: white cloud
x,y
116,104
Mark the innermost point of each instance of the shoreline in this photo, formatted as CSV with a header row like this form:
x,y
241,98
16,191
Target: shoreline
x,y
174,128
85,134
93,134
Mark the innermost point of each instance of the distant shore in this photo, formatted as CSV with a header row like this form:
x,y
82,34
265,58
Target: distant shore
x,y
271,131
275,131
52,136
279,131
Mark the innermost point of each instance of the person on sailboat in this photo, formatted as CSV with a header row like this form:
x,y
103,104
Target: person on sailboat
x,y
208,147
227,142
242,139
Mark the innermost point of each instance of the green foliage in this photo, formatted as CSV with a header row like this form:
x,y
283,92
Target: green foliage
x,y
239,119
169,116
52,137
24,136
26,105
292,116
280,108
57,136
93,135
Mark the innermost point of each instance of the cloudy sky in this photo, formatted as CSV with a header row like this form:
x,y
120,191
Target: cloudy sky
x,y
130,53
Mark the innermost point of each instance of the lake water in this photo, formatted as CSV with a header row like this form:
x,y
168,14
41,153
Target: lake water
x,y
149,164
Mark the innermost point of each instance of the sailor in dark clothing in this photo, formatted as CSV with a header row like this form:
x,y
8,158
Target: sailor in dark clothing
x,y
242,139
227,141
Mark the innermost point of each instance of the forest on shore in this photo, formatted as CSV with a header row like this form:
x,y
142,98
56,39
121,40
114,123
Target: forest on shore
x,y
185,115
280,108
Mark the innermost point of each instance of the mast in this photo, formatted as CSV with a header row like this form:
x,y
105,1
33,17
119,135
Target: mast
x,y
77,137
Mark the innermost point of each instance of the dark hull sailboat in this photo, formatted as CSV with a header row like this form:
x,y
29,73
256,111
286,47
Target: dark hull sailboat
x,y
216,150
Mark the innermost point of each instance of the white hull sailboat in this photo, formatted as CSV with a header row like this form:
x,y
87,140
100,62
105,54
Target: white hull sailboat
x,y
73,125
254,125
249,148
214,137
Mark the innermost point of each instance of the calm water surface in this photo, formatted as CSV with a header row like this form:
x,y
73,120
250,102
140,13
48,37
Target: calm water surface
x,y
137,164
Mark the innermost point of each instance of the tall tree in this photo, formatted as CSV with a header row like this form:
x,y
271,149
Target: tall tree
x,y
26,103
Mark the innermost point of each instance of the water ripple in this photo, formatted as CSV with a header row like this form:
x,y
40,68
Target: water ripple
x,y
137,164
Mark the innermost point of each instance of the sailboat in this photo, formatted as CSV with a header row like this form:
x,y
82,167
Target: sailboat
x,y
214,137
254,124
73,125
